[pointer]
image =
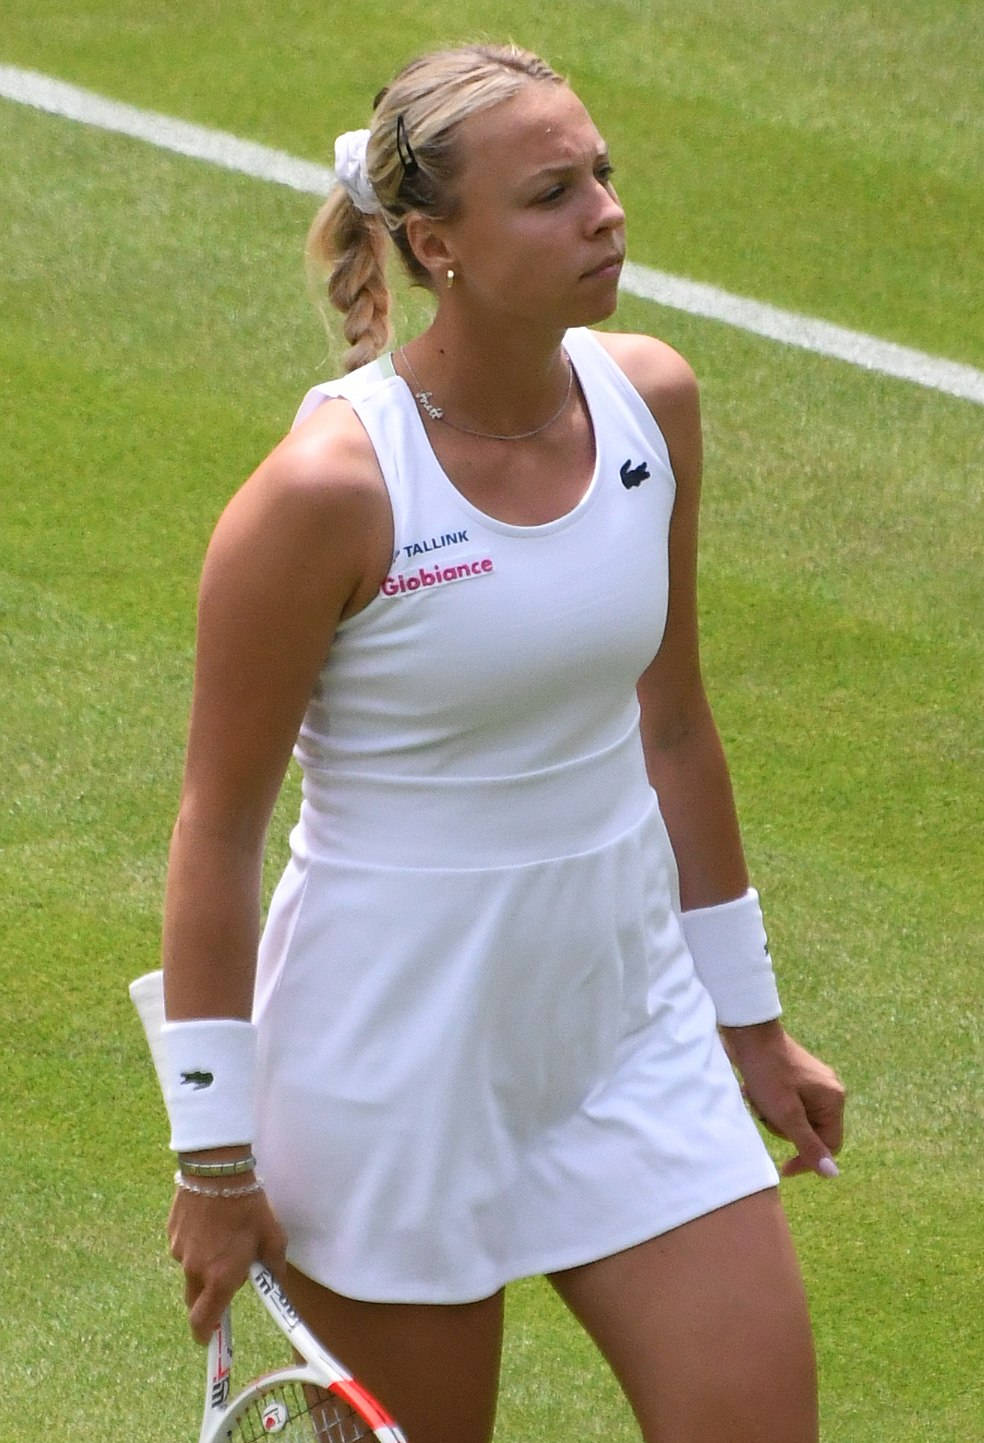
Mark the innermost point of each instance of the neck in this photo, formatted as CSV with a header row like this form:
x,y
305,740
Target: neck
x,y
491,382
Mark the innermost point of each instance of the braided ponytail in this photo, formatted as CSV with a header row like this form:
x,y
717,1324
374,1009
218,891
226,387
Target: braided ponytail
x,y
349,249
407,161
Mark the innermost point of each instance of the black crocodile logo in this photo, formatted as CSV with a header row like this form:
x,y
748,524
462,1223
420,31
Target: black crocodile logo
x,y
633,475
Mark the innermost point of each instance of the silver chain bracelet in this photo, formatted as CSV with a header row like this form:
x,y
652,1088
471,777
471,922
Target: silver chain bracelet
x,y
182,1183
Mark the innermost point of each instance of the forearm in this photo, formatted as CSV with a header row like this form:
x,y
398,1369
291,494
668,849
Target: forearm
x,y
690,775
722,921
211,921
796,1096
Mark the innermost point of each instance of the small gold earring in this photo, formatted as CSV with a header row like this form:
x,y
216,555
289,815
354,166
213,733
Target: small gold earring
x,y
450,277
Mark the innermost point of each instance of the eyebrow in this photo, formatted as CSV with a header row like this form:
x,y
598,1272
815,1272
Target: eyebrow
x,y
602,153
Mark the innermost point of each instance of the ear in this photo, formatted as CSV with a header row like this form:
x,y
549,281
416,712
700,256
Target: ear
x,y
429,243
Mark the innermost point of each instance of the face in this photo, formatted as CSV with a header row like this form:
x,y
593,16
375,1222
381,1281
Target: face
x,y
539,235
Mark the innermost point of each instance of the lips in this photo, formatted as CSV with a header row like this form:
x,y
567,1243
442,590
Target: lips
x,y
613,262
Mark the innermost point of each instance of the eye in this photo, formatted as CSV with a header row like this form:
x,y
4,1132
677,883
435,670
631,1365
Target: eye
x,y
555,193
605,171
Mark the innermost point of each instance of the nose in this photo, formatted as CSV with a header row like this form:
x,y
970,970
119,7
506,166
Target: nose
x,y
608,213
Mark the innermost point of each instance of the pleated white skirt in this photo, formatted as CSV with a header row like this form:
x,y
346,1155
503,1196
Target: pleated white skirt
x,y
484,1055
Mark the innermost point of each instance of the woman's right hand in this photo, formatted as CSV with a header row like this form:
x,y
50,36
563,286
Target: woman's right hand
x,y
215,1239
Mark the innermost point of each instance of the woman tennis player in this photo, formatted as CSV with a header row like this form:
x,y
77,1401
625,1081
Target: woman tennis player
x,y
492,1025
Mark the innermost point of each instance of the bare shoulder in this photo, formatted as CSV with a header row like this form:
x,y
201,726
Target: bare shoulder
x,y
658,372
327,466
323,475
667,384
317,505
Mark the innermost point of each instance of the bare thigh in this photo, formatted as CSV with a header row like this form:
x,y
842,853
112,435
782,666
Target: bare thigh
x,y
435,1368
706,1328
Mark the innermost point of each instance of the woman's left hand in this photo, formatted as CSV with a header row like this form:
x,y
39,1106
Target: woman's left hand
x,y
793,1093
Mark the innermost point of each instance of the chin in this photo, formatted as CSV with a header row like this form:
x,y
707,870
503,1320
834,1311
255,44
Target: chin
x,y
599,308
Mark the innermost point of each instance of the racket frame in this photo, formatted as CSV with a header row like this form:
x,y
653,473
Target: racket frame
x,y
319,1368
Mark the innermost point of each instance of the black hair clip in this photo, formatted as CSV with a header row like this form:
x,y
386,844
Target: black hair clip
x,y
404,149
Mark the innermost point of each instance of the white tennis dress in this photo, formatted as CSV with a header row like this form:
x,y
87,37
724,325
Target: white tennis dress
x,y
484,1051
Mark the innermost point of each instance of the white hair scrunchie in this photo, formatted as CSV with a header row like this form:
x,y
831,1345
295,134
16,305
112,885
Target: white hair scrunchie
x,y
352,171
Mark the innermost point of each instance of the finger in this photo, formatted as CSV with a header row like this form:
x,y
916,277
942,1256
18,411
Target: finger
x,y
812,1152
828,1122
193,1285
831,1138
274,1256
207,1310
825,1167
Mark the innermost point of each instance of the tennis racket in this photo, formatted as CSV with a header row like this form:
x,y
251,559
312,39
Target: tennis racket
x,y
314,1401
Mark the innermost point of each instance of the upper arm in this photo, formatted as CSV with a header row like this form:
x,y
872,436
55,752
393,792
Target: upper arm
x,y
304,541
670,690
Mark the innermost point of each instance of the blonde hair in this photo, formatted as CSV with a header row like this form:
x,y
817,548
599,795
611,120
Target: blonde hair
x,y
413,163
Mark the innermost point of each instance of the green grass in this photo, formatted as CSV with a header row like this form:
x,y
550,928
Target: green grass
x,y
155,338
826,157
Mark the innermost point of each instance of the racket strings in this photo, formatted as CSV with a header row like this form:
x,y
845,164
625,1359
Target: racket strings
x,y
298,1413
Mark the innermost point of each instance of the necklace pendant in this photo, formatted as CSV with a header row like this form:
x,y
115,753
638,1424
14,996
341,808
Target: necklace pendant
x,y
426,404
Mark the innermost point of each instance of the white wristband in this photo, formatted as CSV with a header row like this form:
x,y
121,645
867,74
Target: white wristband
x,y
209,1082
731,958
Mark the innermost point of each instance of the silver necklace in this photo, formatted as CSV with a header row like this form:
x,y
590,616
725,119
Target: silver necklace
x,y
436,413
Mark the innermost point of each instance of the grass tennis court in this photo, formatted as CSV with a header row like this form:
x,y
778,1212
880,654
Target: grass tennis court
x,y
155,338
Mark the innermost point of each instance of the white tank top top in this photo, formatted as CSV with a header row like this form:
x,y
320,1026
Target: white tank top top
x,y
494,650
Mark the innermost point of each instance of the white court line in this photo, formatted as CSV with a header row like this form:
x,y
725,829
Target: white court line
x,y
28,87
